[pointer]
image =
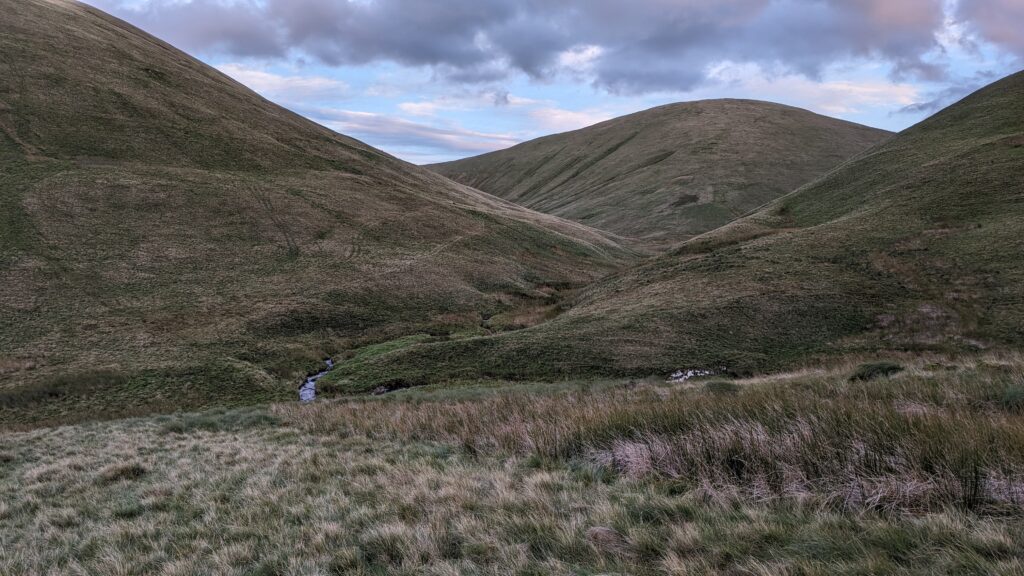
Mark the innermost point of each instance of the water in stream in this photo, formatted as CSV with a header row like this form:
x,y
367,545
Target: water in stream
x,y
307,392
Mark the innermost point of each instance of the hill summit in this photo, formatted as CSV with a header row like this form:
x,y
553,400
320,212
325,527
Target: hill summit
x,y
671,172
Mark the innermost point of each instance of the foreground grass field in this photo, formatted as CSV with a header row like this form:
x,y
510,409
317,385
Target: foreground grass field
x,y
917,470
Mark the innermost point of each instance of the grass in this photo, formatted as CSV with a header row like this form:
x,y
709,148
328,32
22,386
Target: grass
x,y
919,441
671,172
484,479
873,370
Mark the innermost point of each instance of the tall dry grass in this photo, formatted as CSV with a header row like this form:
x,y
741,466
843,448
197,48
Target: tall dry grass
x,y
926,439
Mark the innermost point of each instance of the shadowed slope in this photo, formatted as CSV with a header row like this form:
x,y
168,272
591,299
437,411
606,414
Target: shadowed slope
x,y
168,238
671,172
915,245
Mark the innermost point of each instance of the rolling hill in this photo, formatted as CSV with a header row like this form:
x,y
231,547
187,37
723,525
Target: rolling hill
x,y
916,245
169,239
671,172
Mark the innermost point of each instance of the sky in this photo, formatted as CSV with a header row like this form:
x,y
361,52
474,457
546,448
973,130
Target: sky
x,y
430,81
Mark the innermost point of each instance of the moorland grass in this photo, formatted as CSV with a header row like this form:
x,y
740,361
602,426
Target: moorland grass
x,y
873,370
918,441
588,478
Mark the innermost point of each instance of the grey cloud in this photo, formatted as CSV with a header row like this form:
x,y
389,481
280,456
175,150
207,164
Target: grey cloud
x,y
240,29
646,45
941,98
938,100
500,98
999,21
409,32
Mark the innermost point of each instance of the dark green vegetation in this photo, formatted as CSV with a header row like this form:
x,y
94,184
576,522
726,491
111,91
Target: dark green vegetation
x,y
672,172
804,473
170,239
915,245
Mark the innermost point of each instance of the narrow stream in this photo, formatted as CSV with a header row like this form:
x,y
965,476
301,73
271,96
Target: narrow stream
x,y
307,392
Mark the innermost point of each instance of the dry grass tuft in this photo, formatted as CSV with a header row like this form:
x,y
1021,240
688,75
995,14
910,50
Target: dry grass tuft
x,y
119,472
608,541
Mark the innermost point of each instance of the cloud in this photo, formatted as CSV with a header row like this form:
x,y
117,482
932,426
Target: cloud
x,y
465,101
286,88
834,97
939,99
580,58
237,28
624,47
561,120
998,21
405,135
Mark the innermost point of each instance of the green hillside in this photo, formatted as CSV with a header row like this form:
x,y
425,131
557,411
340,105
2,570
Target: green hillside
x,y
169,239
916,245
671,172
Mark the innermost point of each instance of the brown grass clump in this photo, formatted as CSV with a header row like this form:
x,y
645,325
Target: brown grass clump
x,y
119,472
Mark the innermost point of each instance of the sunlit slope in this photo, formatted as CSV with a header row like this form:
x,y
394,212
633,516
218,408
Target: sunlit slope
x,y
671,172
916,245
168,238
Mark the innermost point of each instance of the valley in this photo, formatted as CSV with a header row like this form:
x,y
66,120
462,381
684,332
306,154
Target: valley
x,y
720,336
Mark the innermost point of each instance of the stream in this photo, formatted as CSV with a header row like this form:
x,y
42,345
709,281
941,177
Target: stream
x,y
307,392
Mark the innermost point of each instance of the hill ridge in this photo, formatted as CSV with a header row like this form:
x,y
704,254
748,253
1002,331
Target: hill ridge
x,y
670,172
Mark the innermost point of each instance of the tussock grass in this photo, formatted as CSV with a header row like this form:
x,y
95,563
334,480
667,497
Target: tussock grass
x,y
721,387
873,370
917,441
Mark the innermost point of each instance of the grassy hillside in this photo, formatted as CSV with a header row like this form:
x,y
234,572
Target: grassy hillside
x,y
806,473
915,245
671,172
169,239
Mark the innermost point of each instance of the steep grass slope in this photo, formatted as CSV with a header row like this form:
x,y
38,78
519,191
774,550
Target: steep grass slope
x,y
168,238
915,245
671,172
